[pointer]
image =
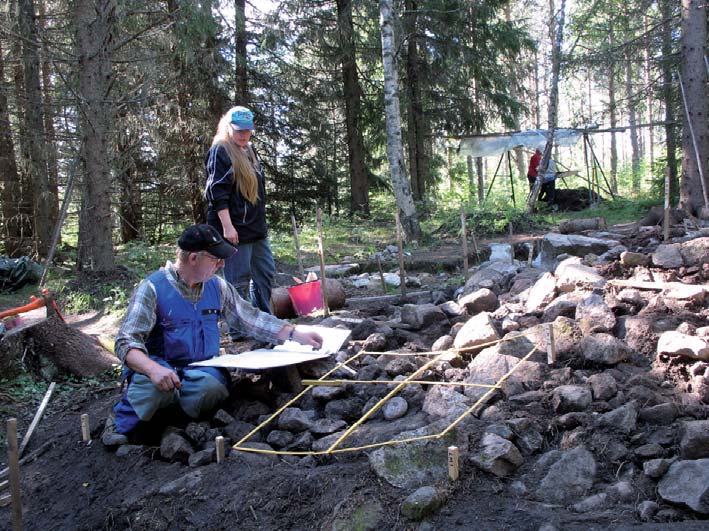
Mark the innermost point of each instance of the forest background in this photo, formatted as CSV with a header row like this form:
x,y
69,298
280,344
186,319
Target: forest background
x,y
108,107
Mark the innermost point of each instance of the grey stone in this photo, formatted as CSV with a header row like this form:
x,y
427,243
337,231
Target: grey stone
x,y
422,502
238,429
695,440
489,366
280,438
649,451
326,426
294,419
183,485
678,344
569,421
196,431
394,408
451,309
662,414
497,455
222,418
174,447
554,245
110,437
604,348
631,259
647,509
495,276
327,392
500,429
595,502
541,294
368,516
622,419
567,398
482,300
564,305
442,401
622,491
603,386
594,315
667,256
442,343
400,366
303,442
320,445
571,274
687,483
346,409
656,468
203,457
376,342
476,331
411,465
421,315
569,478
129,449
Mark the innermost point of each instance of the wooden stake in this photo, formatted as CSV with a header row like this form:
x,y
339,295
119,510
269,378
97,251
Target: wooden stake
x,y
13,458
464,233
381,274
37,417
85,430
301,271
666,220
453,465
400,245
551,348
475,243
219,441
323,280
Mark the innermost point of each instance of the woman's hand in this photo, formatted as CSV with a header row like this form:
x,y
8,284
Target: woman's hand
x,y
231,235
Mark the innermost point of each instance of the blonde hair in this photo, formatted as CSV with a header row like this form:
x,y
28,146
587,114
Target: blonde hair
x,y
244,162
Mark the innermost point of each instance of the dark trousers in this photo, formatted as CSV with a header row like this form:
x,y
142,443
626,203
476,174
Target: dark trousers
x,y
548,192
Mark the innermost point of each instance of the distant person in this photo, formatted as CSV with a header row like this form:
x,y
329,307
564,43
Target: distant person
x,y
173,320
533,169
236,196
548,190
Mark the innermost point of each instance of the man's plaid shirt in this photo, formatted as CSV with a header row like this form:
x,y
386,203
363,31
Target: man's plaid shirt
x,y
141,317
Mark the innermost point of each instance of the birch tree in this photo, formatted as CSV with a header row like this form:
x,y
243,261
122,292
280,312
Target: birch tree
x,y
395,148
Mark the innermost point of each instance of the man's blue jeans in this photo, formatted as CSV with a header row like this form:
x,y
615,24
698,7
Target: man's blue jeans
x,y
251,272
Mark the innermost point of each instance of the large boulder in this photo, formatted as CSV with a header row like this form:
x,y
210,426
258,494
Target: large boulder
x,y
489,366
554,245
594,315
687,483
477,330
571,274
569,478
604,348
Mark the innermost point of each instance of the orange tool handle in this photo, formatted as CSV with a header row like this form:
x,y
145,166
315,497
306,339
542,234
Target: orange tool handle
x,y
36,303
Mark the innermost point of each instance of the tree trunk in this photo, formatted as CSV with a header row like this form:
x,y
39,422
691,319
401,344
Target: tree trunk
x,y
129,206
613,112
34,127
693,192
416,130
667,82
95,22
481,180
632,121
10,189
553,104
52,166
359,182
395,150
520,161
649,97
240,40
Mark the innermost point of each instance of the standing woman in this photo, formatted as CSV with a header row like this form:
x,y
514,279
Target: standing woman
x,y
236,195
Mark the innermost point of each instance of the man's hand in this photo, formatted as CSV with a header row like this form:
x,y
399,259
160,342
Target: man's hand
x,y
308,338
164,378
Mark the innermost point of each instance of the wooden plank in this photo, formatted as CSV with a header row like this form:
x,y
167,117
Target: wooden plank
x,y
551,347
37,417
464,234
453,463
14,465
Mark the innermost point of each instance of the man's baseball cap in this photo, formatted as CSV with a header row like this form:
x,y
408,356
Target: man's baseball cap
x,y
241,119
196,238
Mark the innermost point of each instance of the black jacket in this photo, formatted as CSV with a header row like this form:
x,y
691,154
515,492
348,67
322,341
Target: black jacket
x,y
248,220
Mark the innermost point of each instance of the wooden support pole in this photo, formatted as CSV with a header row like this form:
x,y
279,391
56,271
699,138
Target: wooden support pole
x,y
666,220
400,245
85,429
381,274
219,443
453,463
475,243
301,271
37,417
551,348
530,257
323,280
13,458
464,234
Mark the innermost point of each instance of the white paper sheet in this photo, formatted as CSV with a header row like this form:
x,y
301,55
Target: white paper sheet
x,y
289,353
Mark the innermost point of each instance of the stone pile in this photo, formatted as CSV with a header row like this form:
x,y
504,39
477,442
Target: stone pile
x,y
618,422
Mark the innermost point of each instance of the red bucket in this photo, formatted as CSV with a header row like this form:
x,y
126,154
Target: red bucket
x,y
306,297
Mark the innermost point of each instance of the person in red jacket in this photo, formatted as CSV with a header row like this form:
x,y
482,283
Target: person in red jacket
x,y
533,169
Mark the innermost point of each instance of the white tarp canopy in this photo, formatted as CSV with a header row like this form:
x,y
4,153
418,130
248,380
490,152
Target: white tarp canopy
x,y
486,146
